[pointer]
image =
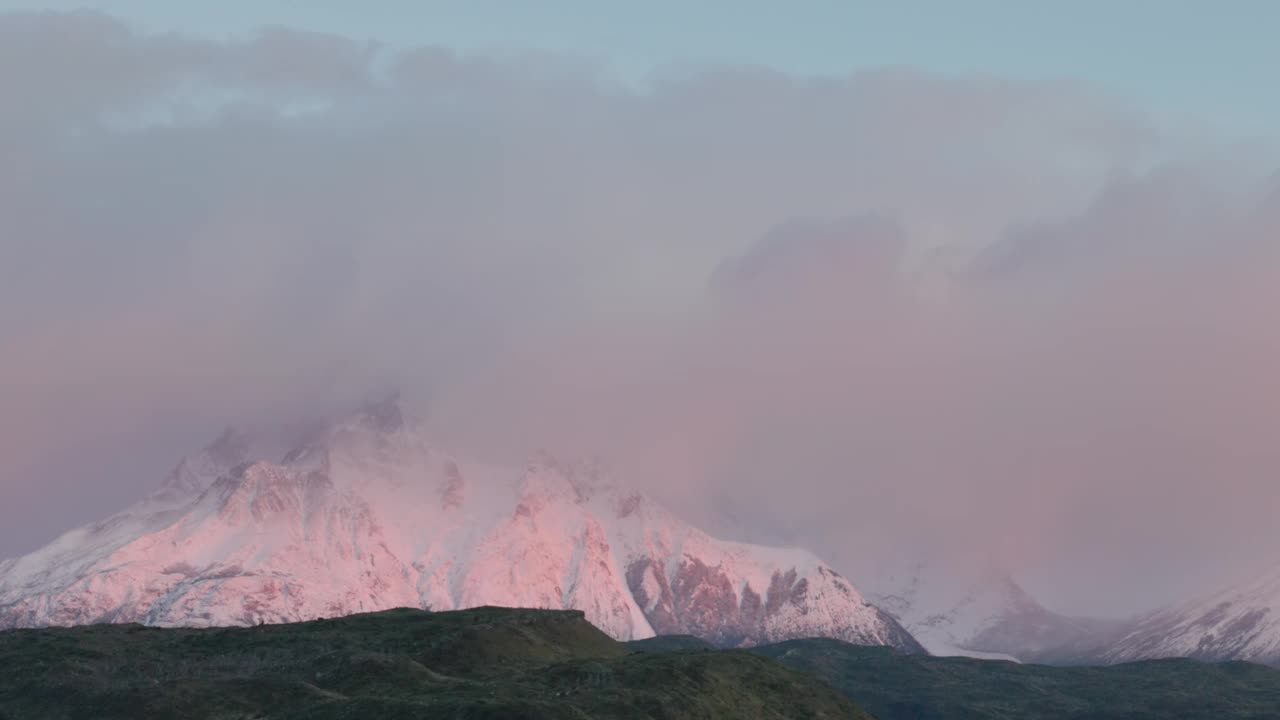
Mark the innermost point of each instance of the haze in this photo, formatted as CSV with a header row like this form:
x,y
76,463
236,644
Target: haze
x,y
867,309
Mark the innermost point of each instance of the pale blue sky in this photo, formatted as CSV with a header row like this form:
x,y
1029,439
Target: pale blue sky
x,y
1188,57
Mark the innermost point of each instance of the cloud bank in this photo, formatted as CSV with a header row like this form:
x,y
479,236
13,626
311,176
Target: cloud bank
x,y
869,314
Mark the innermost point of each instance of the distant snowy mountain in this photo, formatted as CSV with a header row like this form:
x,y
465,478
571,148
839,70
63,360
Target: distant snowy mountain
x,y
367,515
966,609
1240,623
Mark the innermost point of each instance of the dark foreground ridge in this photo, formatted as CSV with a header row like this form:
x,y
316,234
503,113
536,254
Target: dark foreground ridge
x,y
399,664
497,663
893,686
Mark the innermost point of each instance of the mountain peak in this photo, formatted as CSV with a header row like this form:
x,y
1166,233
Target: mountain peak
x,y
197,471
231,447
379,429
384,414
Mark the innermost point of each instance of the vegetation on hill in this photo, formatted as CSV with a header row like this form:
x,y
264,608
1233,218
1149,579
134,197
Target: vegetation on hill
x,y
495,663
400,664
893,686
669,643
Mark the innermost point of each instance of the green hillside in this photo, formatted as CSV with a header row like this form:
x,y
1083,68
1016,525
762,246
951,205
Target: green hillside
x,y
910,687
495,663
668,643
482,663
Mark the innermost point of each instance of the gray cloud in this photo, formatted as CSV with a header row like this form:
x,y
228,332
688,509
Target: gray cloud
x,y
861,313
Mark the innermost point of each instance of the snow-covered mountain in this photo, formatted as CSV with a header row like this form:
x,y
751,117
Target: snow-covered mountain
x,y
1240,623
967,608
367,515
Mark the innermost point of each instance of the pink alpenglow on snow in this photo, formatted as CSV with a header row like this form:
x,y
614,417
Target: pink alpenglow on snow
x,y
367,515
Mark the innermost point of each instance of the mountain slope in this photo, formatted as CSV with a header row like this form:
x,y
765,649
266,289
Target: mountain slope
x,y
367,515
1240,623
979,611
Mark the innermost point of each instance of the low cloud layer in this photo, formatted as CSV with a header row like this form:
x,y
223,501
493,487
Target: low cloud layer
x,y
869,314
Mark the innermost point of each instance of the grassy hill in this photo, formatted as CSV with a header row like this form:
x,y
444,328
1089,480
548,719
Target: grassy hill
x,y
910,687
669,643
495,663
486,663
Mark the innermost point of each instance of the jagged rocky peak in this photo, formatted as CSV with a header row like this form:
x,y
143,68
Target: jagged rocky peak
x,y
547,474
196,472
629,505
543,484
454,488
380,431
384,414
230,448
381,415
378,423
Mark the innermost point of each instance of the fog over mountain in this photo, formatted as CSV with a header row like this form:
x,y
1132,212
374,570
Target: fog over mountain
x,y
889,313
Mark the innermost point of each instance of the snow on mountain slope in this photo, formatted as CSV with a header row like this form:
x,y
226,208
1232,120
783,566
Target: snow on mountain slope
x,y
77,551
1240,623
367,515
978,611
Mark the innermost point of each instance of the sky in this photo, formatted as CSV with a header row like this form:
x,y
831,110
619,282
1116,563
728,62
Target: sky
x,y
1185,56
997,280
